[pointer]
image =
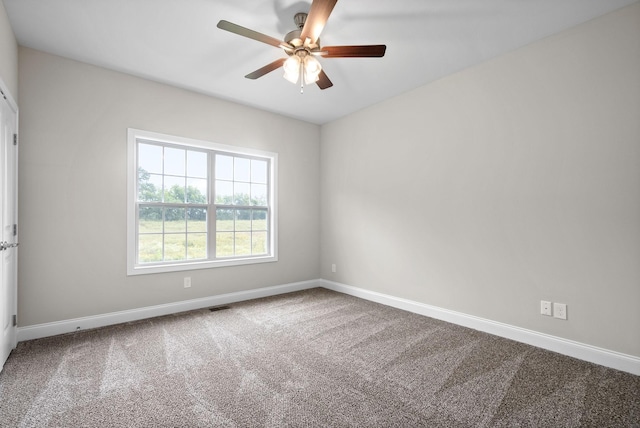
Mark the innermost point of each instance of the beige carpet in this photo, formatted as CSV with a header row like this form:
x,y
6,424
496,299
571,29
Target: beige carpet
x,y
312,358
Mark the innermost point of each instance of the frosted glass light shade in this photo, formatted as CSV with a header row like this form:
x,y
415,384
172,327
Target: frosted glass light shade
x,y
312,69
292,68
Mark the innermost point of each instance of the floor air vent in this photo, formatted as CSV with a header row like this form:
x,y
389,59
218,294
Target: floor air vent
x,y
219,308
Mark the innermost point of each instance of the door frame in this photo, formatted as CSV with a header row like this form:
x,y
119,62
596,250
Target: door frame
x,y
5,96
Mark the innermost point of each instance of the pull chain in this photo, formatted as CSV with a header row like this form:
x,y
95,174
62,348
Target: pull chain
x,y
301,77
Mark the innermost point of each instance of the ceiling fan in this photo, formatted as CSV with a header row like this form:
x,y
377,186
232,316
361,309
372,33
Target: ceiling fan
x,y
303,45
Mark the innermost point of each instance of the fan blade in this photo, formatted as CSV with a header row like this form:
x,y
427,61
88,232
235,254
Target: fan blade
x,y
266,69
323,81
366,51
317,19
242,31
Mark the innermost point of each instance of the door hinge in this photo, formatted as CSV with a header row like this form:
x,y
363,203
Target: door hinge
x,y
15,320
15,229
15,139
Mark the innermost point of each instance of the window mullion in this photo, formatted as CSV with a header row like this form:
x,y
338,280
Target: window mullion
x,y
172,205
211,218
164,223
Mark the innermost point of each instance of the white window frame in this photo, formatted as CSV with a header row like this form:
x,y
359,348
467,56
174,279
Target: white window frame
x,y
133,268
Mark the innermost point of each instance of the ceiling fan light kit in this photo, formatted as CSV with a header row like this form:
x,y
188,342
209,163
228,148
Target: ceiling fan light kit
x,y
303,45
303,67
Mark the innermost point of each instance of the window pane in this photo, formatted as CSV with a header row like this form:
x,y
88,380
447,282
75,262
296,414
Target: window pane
x,y
224,244
259,220
149,187
196,191
196,219
243,220
259,194
224,167
224,220
259,242
196,246
150,220
224,192
174,189
149,248
174,161
175,246
243,243
174,220
258,171
150,158
241,193
197,164
242,169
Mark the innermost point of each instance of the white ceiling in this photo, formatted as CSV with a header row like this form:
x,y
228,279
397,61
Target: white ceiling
x,y
177,42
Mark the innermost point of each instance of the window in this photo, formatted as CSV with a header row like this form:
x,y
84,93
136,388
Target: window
x,y
196,204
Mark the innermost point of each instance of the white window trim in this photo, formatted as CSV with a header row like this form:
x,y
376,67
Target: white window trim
x,y
132,188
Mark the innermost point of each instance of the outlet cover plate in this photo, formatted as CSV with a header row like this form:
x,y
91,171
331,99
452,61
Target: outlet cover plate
x,y
560,311
545,307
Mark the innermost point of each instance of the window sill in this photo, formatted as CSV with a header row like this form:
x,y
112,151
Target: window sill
x,y
208,264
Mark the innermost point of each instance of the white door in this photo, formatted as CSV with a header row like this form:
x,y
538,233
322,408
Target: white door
x,y
9,233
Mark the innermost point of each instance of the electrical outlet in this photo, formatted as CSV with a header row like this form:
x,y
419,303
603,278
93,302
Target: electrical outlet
x,y
187,282
333,268
560,311
545,307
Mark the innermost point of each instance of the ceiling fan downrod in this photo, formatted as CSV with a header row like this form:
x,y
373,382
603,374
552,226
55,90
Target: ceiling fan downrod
x,y
300,18
301,77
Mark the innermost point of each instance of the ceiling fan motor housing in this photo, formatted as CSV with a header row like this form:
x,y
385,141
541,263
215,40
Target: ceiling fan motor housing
x,y
293,37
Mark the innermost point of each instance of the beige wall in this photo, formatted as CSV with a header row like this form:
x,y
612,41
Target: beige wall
x,y
8,54
73,169
510,182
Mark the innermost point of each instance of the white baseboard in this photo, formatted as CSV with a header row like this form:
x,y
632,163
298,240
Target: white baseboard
x,y
593,354
95,321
